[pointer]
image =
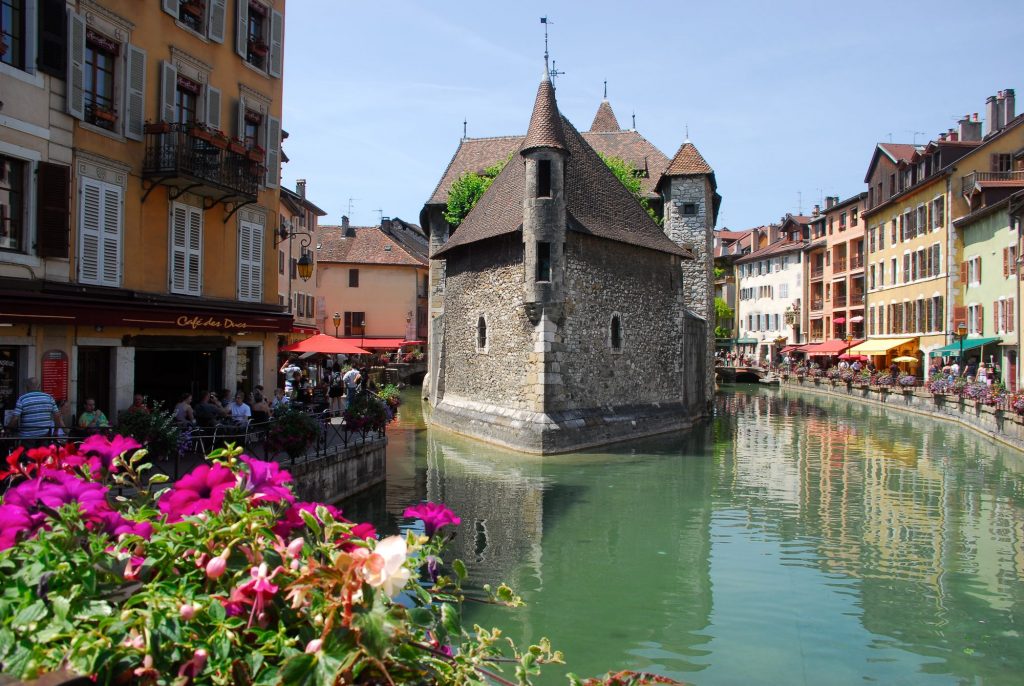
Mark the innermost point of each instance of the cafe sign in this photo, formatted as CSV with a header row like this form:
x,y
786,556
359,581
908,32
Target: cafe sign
x,y
197,322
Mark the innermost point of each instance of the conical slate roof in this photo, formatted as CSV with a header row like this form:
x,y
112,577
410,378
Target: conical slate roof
x,y
604,120
688,161
545,123
596,201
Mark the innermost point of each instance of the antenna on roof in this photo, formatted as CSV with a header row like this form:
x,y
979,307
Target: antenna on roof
x,y
915,134
634,121
606,89
890,137
799,202
687,133
350,205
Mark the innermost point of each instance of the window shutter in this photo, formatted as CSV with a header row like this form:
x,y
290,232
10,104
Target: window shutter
x,y
963,273
168,91
213,107
111,273
242,28
977,267
997,314
993,162
256,264
171,7
273,151
240,119
980,322
194,264
1009,315
1006,262
179,248
76,66
959,316
135,97
89,232
276,43
217,20
53,217
30,36
244,260
52,45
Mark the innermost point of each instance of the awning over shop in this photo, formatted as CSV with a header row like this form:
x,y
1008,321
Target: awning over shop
x,y
790,348
828,348
969,344
879,346
380,343
839,320
322,343
747,341
856,320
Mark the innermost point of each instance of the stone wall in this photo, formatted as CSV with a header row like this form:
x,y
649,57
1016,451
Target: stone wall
x,y
334,477
486,279
694,232
1007,427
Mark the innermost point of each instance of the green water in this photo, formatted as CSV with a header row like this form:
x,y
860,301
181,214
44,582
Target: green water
x,y
792,540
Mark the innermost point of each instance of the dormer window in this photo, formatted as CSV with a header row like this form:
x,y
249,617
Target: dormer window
x,y
543,178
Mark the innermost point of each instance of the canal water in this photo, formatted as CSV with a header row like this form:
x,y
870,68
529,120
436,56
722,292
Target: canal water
x,y
793,539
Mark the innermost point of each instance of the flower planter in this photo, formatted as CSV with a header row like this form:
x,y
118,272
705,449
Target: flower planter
x,y
238,148
257,155
258,48
157,127
968,403
104,115
218,142
202,134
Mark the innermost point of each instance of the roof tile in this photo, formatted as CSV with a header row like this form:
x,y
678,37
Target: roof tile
x,y
369,245
604,120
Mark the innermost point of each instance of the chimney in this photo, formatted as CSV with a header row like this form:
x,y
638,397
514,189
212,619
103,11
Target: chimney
x,y
1007,114
385,224
942,137
817,210
831,201
970,130
952,136
346,230
991,115
300,188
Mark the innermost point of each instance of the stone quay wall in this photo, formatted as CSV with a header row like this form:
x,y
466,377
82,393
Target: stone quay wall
x,y
1006,427
337,476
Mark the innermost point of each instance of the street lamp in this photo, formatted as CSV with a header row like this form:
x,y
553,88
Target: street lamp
x,y
337,323
305,264
961,331
362,332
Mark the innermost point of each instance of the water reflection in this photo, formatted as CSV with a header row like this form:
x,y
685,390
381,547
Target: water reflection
x,y
794,538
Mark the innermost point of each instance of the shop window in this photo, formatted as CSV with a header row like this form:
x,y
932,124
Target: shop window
x,y
12,204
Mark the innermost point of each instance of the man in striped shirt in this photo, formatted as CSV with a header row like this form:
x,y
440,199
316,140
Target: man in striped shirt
x,y
35,413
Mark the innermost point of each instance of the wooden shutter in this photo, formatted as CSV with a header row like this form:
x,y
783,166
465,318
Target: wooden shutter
x,y
89,233
135,95
256,268
997,314
171,7
244,260
240,119
194,264
977,268
217,21
242,28
1009,315
53,38
963,273
1006,262
76,66
53,216
168,91
273,151
213,107
30,35
959,316
110,274
276,43
179,248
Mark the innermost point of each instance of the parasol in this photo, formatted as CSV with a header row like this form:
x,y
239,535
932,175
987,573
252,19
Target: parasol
x,y
904,358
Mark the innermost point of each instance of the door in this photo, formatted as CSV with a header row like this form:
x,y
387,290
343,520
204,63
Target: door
x,y
94,380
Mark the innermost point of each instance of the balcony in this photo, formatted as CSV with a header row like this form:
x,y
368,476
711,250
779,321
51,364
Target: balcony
x,y
857,262
817,272
189,159
839,265
839,300
1001,178
817,305
856,299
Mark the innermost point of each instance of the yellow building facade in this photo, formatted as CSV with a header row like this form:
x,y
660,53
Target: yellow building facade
x,y
164,247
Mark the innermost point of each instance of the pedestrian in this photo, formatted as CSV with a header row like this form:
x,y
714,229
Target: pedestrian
x,y
335,391
35,414
92,418
982,375
351,380
289,369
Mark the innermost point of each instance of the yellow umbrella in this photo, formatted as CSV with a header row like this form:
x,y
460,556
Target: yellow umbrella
x,y
904,358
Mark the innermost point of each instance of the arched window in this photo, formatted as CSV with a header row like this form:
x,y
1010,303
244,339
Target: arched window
x,y
616,332
481,334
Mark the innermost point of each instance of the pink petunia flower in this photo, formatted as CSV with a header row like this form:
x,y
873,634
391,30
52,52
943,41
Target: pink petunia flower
x,y
266,481
293,520
28,505
102,451
434,516
200,490
363,531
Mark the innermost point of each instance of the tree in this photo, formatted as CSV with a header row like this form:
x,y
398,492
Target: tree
x,y
467,191
723,314
626,174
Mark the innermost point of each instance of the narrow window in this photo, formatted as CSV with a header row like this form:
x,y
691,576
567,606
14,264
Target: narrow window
x,y
12,205
481,334
12,29
543,178
100,57
689,209
353,278
616,333
543,261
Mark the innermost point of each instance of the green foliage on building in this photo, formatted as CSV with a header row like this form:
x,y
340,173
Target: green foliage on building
x,y
467,191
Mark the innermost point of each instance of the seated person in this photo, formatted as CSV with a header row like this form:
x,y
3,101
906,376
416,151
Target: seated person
x,y
138,405
206,413
260,408
240,412
92,419
184,415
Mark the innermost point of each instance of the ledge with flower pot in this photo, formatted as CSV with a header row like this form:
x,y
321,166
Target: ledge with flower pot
x,y
1005,426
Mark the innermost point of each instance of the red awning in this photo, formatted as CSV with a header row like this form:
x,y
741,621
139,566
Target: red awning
x,y
380,343
309,330
322,343
790,348
828,348
839,320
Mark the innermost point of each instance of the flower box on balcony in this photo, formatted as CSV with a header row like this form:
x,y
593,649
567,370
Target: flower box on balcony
x,y
237,147
201,133
257,154
219,140
157,127
259,48
104,114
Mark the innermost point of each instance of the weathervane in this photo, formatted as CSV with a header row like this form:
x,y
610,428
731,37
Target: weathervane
x,y
552,72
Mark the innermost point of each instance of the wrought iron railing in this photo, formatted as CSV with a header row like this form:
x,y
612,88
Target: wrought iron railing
x,y
185,150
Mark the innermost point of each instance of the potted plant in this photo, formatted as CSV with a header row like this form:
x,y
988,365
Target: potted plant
x,y
104,114
201,132
219,139
258,47
257,154
292,432
157,127
389,393
238,147
156,431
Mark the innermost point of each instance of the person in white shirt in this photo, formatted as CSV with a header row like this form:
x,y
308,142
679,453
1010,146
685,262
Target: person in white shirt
x,y
240,412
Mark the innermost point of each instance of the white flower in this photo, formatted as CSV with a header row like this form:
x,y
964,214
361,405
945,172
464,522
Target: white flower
x,y
385,567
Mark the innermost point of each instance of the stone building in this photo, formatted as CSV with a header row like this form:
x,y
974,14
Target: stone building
x,y
562,315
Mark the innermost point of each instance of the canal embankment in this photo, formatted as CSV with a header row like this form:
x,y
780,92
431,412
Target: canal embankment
x,y
1003,425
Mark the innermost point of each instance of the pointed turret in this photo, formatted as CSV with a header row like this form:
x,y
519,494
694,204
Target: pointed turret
x,y
604,120
545,123
688,160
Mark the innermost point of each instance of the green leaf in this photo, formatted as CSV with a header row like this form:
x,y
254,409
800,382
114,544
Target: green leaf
x,y
216,611
373,636
450,619
460,569
94,608
159,479
421,616
311,521
300,670
6,642
61,606
27,615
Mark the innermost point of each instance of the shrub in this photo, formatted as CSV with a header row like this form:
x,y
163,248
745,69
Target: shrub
x,y
907,380
156,431
389,393
366,413
292,432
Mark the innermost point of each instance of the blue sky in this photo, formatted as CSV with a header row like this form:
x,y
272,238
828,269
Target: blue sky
x,y
781,98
